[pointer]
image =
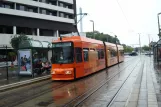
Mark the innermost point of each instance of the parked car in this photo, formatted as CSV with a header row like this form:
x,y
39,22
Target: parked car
x,y
149,53
133,54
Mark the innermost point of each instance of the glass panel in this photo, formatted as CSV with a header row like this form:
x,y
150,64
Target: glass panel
x,y
62,44
85,51
102,54
22,7
62,53
36,44
46,44
78,52
25,44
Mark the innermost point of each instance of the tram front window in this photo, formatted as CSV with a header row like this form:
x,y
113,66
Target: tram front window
x,y
62,53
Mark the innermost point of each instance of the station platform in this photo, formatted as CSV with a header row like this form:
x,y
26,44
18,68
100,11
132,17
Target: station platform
x,y
146,91
134,83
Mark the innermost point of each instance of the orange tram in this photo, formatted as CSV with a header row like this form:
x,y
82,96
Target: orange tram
x,y
75,57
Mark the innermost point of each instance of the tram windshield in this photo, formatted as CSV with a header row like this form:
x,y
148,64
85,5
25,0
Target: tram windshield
x,y
62,53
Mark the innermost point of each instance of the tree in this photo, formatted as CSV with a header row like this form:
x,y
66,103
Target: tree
x,y
103,37
16,39
127,48
146,48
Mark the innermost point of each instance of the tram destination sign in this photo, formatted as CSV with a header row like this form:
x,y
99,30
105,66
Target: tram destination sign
x,y
62,44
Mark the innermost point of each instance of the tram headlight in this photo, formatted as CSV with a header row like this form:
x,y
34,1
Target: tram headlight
x,y
53,72
68,72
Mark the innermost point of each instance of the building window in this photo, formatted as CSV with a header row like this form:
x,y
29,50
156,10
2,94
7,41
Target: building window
x,y
61,15
61,4
7,5
44,1
21,7
66,16
43,11
78,53
54,13
26,31
53,2
70,6
46,32
70,16
32,9
6,29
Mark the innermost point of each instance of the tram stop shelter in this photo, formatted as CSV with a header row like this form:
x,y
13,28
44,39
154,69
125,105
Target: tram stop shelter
x,y
31,55
157,52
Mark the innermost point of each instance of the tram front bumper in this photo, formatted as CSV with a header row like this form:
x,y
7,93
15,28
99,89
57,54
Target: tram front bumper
x,y
62,74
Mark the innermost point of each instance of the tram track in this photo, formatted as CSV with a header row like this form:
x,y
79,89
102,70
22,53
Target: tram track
x,y
24,99
87,94
51,101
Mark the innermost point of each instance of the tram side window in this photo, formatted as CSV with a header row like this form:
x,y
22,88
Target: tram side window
x,y
113,53
99,54
85,51
102,54
122,53
78,52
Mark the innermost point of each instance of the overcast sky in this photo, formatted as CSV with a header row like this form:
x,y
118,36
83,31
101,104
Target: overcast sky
x,y
138,16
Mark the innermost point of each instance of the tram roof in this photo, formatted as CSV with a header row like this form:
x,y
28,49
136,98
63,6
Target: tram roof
x,y
85,39
28,44
79,38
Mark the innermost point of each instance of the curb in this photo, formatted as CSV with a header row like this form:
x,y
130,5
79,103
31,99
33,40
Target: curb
x,y
17,84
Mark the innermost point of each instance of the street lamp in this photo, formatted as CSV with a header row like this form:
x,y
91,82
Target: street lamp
x,y
93,28
158,24
140,43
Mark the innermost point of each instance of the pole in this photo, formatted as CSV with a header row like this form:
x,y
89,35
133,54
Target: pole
x,y
149,44
117,49
158,24
93,30
140,44
81,24
7,62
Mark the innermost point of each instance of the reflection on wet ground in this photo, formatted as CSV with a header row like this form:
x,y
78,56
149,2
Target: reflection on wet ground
x,y
50,94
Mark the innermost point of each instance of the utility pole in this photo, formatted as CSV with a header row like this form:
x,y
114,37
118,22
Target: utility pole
x,y
159,24
81,24
149,44
140,43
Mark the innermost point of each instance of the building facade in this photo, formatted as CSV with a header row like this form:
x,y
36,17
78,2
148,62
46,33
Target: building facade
x,y
41,20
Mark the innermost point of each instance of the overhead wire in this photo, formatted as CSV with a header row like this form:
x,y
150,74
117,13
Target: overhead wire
x,y
123,14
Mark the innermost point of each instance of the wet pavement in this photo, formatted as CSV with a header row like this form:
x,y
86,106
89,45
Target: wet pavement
x,y
133,83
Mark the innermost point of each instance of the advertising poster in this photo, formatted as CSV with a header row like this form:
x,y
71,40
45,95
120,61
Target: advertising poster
x,y
25,62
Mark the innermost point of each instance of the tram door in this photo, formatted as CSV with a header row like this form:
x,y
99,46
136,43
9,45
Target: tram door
x,y
79,62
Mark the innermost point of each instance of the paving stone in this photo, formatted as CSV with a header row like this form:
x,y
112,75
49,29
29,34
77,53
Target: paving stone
x,y
143,102
132,104
118,104
142,105
152,102
134,97
149,105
